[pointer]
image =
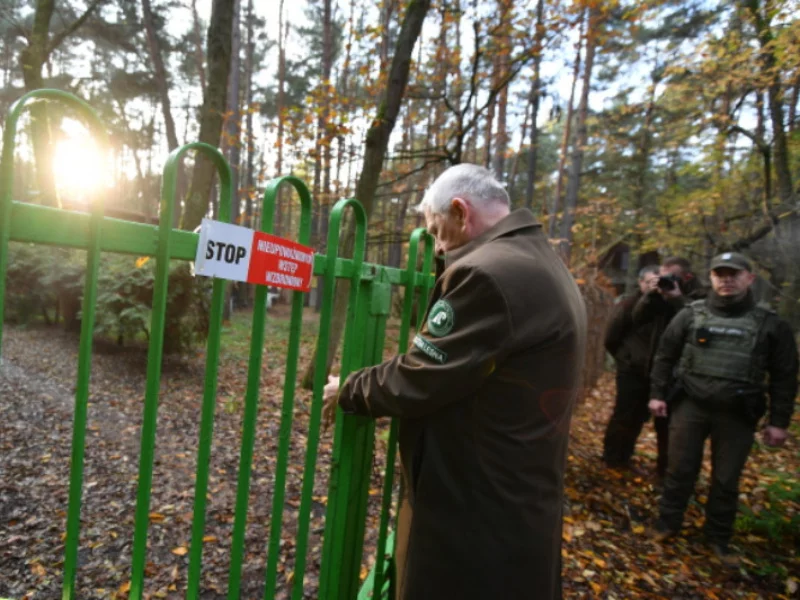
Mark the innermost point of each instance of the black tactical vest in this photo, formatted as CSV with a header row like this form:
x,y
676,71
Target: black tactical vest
x,y
724,347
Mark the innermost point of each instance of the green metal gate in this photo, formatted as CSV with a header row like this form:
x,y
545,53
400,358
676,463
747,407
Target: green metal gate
x,y
367,314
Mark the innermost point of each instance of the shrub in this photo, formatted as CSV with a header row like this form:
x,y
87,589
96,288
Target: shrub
x,y
41,279
44,279
124,303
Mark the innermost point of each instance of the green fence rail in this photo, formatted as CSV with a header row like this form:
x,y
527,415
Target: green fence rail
x,y
368,310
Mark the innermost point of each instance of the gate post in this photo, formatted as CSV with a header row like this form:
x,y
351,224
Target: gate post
x,y
351,464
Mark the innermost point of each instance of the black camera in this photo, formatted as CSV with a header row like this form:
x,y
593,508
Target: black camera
x,y
668,282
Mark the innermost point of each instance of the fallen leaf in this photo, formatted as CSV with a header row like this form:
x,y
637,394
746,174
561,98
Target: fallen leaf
x,y
791,586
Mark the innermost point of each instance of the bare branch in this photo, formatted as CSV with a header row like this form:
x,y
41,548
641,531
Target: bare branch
x,y
775,218
73,27
761,144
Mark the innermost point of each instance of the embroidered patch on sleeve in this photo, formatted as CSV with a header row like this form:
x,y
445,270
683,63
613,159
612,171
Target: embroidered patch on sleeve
x,y
430,350
441,319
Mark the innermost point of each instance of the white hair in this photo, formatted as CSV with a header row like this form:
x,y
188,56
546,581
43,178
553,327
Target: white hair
x,y
473,183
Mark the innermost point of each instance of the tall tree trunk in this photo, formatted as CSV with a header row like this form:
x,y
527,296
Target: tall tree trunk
x,y
220,32
640,187
324,128
565,138
436,116
283,30
32,59
504,36
162,85
398,233
574,180
387,11
766,153
145,207
490,110
533,152
249,67
376,144
781,160
344,87
231,141
512,176
199,58
793,103
774,102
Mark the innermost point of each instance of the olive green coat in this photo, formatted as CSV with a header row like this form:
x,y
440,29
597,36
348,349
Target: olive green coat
x,y
485,395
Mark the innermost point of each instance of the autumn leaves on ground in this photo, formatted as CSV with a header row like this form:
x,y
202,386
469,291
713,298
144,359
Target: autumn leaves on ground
x,y
606,554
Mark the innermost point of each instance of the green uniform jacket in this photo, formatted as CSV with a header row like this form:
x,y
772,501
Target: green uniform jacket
x,y
485,395
775,342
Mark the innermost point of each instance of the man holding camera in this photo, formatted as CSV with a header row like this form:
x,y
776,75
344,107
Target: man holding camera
x,y
630,347
663,294
729,354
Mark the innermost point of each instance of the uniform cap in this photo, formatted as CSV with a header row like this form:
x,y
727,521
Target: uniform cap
x,y
731,260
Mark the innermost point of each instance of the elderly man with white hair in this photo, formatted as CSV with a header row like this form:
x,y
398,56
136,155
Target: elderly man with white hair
x,y
484,394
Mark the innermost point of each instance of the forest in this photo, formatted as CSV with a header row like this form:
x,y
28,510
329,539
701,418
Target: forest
x,y
667,126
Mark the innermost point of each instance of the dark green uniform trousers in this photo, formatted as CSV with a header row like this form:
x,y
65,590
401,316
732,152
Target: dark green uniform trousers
x,y
731,439
629,416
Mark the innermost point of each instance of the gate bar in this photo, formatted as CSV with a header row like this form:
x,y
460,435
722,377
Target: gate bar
x,y
87,308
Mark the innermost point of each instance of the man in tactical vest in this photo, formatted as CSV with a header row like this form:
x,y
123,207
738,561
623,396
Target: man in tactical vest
x,y
730,354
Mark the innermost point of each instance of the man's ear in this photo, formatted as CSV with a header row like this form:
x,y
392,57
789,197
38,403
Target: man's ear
x,y
459,211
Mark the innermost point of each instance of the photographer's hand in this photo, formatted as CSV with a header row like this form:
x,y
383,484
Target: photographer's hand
x,y
650,283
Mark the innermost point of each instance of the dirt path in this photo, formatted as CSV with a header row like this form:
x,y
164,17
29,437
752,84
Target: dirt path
x,y
36,398
607,553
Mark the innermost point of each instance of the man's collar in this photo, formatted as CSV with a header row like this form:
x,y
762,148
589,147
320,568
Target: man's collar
x,y
519,219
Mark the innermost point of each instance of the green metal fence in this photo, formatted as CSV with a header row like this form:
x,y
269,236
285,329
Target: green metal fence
x,y
368,310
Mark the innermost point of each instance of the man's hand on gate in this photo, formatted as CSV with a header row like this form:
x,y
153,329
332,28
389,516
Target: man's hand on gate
x,y
658,408
775,436
330,398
